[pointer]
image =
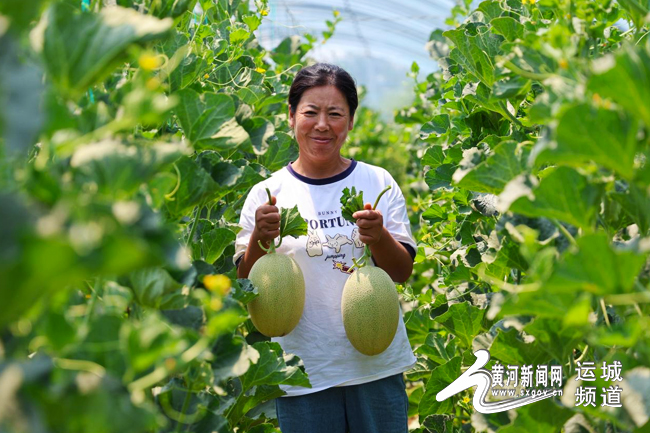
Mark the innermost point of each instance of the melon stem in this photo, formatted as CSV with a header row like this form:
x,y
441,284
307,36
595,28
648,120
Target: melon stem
x,y
379,196
273,246
366,251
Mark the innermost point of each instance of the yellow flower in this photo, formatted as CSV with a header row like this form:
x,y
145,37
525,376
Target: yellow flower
x,y
466,400
217,283
152,83
264,12
336,14
564,64
216,303
148,61
170,364
260,70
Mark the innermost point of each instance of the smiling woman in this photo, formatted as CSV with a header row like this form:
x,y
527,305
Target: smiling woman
x,y
321,122
349,390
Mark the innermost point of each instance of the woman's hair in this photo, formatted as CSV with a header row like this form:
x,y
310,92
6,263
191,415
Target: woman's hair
x,y
323,74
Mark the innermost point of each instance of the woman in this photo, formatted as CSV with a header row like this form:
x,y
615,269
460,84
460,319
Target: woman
x,y
350,391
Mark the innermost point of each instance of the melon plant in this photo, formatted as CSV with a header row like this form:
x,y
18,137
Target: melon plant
x,y
369,304
279,281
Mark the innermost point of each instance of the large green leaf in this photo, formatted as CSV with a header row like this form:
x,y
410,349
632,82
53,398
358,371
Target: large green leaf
x,y
273,369
196,186
563,194
80,49
280,152
597,267
492,175
464,321
555,338
117,169
625,78
208,120
215,242
507,27
540,417
21,94
263,377
476,50
153,287
585,133
636,204
441,377
184,65
510,348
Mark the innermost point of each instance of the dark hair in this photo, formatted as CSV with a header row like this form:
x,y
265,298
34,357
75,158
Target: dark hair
x,y
323,74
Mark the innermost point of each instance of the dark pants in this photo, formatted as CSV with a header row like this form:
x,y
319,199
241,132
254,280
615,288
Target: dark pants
x,y
374,407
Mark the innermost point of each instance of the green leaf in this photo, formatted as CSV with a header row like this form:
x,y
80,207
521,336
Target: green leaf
x,y
441,377
464,321
564,194
208,120
80,49
596,267
171,8
117,169
433,157
215,242
555,338
492,175
475,50
21,115
196,187
233,357
351,202
291,223
248,401
239,35
243,290
280,152
507,27
260,131
252,21
510,348
20,12
437,349
184,66
588,134
438,126
540,417
440,177
272,369
636,204
540,303
152,286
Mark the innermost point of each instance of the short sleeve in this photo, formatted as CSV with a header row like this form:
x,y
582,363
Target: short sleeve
x,y
396,220
256,197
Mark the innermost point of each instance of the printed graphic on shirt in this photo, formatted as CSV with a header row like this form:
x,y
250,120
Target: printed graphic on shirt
x,y
341,266
337,241
356,238
314,245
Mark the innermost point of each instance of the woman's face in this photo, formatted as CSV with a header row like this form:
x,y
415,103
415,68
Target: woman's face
x,y
321,123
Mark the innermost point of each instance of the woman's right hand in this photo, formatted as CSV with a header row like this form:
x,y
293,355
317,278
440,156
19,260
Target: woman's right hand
x,y
267,222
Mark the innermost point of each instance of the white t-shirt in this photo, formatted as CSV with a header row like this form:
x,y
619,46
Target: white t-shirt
x,y
324,256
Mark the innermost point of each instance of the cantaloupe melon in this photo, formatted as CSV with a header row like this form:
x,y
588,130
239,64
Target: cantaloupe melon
x,y
281,285
370,310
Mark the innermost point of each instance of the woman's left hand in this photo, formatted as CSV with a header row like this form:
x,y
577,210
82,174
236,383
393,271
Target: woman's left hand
x,y
370,223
